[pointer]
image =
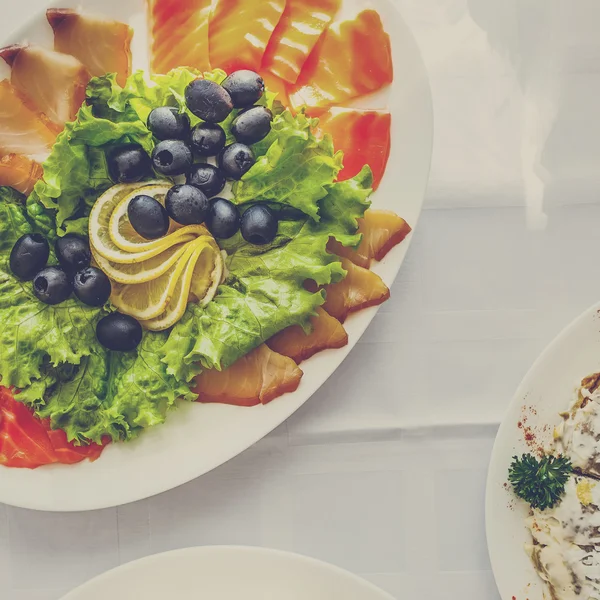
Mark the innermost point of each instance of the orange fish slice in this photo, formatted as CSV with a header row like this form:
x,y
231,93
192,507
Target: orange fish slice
x,y
259,377
22,130
381,231
352,58
360,289
19,172
27,442
240,31
179,30
276,85
23,439
327,333
300,27
54,82
102,45
69,454
364,138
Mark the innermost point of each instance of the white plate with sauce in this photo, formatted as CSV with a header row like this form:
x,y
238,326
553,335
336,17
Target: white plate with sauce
x,y
198,438
547,390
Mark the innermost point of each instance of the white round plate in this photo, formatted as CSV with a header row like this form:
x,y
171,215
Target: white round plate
x,y
228,573
198,438
547,389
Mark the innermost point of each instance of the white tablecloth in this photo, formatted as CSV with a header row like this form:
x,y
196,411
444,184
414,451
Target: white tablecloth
x,y
383,471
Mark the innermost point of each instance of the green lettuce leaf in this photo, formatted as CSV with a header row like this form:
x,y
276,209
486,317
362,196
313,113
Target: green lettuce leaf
x,y
51,353
109,394
265,290
294,166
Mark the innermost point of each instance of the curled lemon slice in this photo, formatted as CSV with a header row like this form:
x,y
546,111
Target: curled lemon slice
x,y
152,280
145,270
100,234
203,273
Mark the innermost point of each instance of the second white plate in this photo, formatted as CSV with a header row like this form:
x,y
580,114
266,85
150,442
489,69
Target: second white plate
x,y
547,389
228,573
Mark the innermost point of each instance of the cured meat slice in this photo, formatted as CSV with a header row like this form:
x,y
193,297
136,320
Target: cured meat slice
x,y
179,30
327,333
381,231
19,172
102,45
360,289
296,34
53,81
259,377
22,130
240,31
364,138
352,58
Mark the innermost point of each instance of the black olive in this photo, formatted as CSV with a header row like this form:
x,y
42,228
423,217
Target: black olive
x,y
208,100
148,217
52,285
119,332
73,252
92,286
29,255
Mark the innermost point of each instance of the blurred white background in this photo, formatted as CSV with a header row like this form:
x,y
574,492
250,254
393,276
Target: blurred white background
x,y
383,471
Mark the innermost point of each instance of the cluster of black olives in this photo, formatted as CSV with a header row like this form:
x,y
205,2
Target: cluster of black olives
x,y
197,200
73,275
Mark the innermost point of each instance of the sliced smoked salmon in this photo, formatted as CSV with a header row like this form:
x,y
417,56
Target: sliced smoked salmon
x,y
69,454
381,230
360,289
240,31
327,333
23,438
364,138
19,172
22,130
278,86
259,377
179,32
299,29
27,442
53,81
352,58
102,45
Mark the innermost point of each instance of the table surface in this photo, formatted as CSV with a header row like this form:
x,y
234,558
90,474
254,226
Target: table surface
x,y
383,470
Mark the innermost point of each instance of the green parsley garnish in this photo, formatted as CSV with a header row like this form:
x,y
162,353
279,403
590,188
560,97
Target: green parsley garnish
x,y
539,482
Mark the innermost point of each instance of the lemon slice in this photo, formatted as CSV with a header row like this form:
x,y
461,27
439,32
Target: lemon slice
x,y
143,271
147,300
205,265
99,233
125,237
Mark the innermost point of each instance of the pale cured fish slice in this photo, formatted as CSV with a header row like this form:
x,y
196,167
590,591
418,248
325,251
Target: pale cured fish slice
x,y
360,289
364,138
19,172
353,58
102,45
179,34
381,230
67,453
296,34
240,31
54,82
22,130
259,377
327,333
